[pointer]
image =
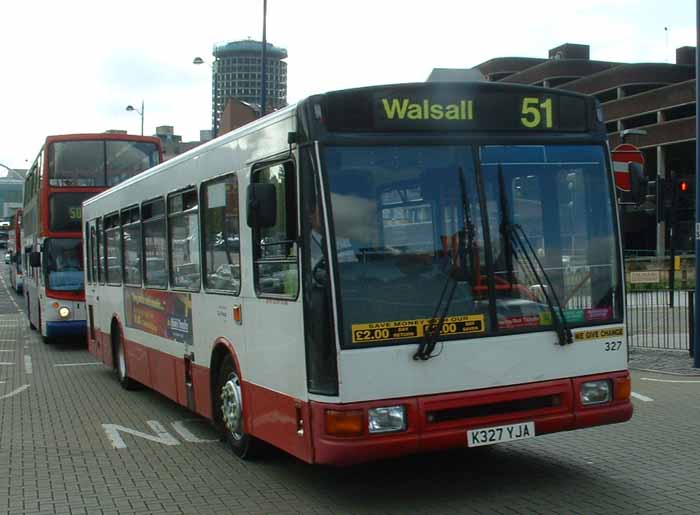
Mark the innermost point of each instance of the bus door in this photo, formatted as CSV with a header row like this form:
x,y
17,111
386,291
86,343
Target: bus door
x,y
273,317
91,294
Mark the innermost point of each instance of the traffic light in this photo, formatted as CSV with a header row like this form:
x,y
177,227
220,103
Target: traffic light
x,y
684,192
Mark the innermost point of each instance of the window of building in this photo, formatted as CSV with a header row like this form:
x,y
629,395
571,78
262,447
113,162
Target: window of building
x,y
131,246
275,248
221,233
155,270
183,240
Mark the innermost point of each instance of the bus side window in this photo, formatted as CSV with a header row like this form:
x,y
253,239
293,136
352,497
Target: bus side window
x,y
221,233
131,248
154,255
275,248
88,253
93,252
183,240
100,252
113,254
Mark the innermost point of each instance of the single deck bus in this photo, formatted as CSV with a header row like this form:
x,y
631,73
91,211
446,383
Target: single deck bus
x,y
68,170
14,248
374,272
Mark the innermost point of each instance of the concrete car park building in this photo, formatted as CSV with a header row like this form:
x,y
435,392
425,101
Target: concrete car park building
x,y
657,100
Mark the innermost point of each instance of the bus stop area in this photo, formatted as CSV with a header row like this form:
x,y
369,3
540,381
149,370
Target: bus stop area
x,y
73,442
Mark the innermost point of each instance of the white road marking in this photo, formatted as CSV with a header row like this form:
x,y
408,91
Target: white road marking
x,y
78,364
186,434
6,363
642,397
161,436
27,364
7,350
668,380
14,392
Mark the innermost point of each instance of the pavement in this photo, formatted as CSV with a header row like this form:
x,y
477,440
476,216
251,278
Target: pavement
x,y
73,442
674,362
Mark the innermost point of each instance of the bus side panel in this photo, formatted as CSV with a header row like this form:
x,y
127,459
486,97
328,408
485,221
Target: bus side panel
x,y
162,371
280,420
201,381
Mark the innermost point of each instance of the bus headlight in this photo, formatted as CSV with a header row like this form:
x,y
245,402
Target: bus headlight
x,y
387,419
64,311
595,392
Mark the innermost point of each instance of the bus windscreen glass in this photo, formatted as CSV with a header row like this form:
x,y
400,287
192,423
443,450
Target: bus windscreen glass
x,y
98,163
63,264
409,218
128,158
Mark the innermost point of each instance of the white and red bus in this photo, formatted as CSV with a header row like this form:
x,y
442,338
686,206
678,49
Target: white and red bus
x,y
68,170
374,272
14,248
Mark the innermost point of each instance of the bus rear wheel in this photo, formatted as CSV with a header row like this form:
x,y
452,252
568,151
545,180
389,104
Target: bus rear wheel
x,y
230,404
120,361
29,315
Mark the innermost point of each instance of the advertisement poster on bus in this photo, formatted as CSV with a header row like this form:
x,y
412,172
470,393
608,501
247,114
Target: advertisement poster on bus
x,y
162,313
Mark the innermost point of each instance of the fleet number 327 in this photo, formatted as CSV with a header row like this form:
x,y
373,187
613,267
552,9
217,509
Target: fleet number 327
x,y
613,345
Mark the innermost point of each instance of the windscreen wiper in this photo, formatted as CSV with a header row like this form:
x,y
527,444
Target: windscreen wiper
x,y
432,330
466,242
516,233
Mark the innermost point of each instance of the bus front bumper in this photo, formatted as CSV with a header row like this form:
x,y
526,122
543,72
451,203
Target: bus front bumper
x,y
66,328
440,422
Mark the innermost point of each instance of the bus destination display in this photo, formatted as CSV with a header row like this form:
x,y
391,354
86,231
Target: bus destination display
x,y
452,109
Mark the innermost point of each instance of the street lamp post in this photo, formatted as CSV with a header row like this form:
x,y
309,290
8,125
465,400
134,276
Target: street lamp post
x,y
263,57
132,108
214,93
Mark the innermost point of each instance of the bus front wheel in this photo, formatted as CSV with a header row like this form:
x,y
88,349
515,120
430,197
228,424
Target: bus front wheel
x,y
230,405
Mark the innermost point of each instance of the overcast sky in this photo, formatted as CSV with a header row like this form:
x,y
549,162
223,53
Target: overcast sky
x,y
73,65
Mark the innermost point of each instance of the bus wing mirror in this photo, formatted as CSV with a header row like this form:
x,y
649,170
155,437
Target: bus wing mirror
x,y
639,182
262,205
35,259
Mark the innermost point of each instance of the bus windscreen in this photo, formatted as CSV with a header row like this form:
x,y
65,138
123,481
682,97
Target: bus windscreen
x,y
98,163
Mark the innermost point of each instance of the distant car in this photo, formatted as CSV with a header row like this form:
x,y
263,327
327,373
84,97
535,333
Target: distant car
x,y
7,258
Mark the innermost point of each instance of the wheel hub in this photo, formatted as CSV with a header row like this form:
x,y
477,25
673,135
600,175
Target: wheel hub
x,y
232,407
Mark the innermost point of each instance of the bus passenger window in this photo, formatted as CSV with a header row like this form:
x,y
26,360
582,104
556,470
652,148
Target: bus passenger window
x,y
222,253
275,248
183,240
131,248
114,258
153,216
101,271
93,252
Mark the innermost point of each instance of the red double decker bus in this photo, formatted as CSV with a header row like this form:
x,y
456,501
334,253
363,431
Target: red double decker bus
x,y
68,170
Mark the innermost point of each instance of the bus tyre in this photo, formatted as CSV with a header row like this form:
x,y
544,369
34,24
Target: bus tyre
x,y
120,361
29,315
230,404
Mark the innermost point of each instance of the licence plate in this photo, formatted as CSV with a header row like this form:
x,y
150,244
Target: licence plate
x,y
507,433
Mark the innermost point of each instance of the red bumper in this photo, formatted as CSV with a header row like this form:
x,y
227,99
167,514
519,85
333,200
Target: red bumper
x,y
439,422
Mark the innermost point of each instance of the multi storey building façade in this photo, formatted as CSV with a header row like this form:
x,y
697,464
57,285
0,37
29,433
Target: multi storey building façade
x,y
236,73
